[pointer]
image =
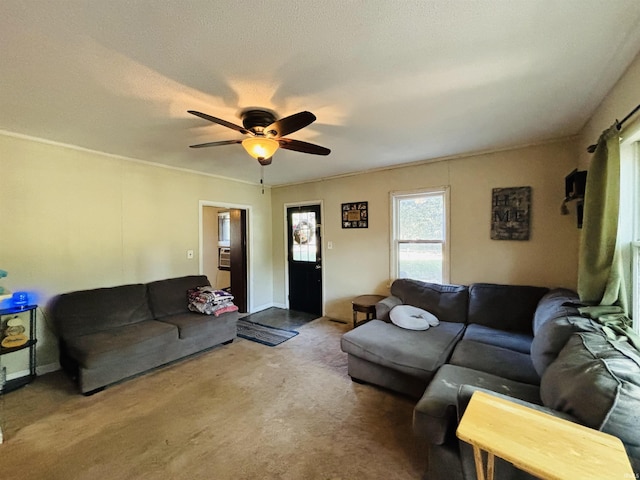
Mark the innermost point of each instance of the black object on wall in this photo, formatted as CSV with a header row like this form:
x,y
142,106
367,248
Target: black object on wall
x,y
575,183
574,188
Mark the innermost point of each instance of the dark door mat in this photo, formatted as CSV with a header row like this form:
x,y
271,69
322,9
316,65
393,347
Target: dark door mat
x,y
264,334
281,318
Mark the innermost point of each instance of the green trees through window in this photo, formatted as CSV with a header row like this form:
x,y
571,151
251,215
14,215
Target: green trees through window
x,y
419,235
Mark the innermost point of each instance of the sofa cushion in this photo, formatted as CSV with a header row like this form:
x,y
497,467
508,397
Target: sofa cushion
x,y
597,380
447,302
121,344
553,334
192,324
435,415
499,361
520,342
558,302
504,307
89,311
416,353
169,297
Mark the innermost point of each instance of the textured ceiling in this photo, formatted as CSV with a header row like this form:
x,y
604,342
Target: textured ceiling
x,y
391,82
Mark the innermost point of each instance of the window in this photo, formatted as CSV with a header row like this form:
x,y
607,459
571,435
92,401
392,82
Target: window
x,y
420,246
635,243
629,222
224,229
304,238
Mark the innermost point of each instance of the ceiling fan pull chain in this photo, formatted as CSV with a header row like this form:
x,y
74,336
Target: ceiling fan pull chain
x,y
262,177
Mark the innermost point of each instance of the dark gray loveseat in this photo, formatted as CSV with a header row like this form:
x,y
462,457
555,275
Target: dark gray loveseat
x,y
108,334
529,344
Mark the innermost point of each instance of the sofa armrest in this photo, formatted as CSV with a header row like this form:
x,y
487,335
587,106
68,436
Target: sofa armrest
x,y
466,391
384,306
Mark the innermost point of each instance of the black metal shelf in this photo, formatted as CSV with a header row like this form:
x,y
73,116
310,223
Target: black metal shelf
x,y
4,350
16,383
30,345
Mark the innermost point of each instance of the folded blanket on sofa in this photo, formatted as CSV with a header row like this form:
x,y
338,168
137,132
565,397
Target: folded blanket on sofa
x,y
210,301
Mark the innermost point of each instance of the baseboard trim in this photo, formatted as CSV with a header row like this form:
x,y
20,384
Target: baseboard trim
x,y
50,367
267,305
40,370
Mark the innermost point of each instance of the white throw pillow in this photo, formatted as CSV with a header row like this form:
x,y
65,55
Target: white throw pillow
x,y
412,318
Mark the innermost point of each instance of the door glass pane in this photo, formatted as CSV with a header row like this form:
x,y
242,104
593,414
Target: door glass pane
x,y
421,218
420,261
304,237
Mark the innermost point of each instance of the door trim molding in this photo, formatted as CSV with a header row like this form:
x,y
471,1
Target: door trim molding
x,y
248,208
286,248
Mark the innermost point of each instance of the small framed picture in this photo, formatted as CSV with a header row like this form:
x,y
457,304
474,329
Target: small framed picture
x,y
355,215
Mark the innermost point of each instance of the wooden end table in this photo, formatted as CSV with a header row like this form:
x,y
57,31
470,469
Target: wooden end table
x,y
365,304
540,444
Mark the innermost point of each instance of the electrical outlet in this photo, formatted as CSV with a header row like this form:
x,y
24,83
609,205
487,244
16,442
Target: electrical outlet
x,y
189,254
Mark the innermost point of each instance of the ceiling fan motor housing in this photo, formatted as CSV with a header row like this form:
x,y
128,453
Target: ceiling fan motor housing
x,y
256,120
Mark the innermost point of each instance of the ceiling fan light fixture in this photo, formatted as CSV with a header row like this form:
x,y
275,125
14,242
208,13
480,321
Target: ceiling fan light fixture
x,y
260,147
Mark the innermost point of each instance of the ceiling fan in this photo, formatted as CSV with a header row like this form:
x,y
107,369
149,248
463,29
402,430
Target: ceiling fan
x,y
266,133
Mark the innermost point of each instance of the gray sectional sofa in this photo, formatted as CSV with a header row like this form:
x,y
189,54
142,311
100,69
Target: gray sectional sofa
x,y
529,344
108,334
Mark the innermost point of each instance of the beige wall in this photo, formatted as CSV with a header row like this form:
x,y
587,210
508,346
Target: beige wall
x,y
73,220
621,100
359,260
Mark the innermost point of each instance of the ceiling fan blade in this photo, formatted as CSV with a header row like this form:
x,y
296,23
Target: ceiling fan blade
x,y
219,121
215,144
289,124
304,147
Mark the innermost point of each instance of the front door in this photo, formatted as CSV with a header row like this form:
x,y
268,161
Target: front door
x,y
304,259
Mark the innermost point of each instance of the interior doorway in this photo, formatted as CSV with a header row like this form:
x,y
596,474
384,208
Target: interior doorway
x,y
223,250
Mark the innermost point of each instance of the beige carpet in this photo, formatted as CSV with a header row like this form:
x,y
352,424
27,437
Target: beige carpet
x,y
242,411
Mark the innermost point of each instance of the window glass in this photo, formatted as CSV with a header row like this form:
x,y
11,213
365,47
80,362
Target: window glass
x,y
421,217
636,286
304,238
224,229
634,199
629,221
419,237
422,261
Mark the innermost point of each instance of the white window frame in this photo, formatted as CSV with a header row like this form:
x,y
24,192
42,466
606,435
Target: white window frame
x,y
630,170
395,197
635,244
636,286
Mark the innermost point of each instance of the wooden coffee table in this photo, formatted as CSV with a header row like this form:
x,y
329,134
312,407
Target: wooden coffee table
x,y
538,443
365,304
